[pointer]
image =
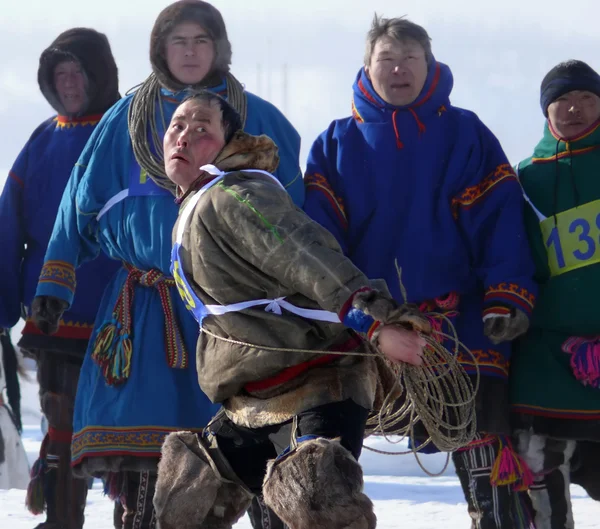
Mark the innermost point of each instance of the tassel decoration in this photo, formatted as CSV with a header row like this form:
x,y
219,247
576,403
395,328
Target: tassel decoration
x,y
510,468
585,359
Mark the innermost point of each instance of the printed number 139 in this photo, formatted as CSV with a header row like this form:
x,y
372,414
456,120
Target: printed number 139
x,y
584,237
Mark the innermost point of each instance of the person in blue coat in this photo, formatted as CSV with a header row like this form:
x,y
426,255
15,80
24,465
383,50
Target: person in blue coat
x,y
78,76
411,179
139,379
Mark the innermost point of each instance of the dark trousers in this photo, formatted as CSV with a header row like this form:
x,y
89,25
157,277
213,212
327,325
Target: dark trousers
x,y
135,510
64,495
585,467
248,450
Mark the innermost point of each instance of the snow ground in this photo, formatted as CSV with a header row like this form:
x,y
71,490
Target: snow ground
x,y
403,495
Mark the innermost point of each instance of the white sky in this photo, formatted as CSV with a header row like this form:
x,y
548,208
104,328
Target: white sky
x,y
498,52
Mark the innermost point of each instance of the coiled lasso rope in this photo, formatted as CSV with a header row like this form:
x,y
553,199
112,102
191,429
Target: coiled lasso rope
x,y
439,394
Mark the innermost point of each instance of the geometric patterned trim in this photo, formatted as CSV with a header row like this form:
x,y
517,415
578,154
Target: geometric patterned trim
x,y
590,415
63,122
320,183
356,114
471,195
140,441
490,363
66,329
59,273
510,293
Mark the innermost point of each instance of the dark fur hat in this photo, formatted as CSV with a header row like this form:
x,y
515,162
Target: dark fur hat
x,y
201,13
92,51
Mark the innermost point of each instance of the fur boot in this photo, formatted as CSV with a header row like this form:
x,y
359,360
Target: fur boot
x,y
318,485
195,489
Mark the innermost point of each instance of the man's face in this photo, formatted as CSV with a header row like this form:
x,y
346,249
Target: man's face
x,y
69,83
574,112
398,70
190,53
194,138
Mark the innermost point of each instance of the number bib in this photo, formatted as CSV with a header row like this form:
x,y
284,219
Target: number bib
x,y
574,240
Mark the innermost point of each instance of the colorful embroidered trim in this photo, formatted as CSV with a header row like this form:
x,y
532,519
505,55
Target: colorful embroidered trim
x,y
490,362
113,348
60,273
512,294
320,183
66,329
141,441
473,194
355,113
63,122
448,302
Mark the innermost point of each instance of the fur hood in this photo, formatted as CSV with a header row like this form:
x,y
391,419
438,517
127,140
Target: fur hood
x,y
211,20
92,51
245,151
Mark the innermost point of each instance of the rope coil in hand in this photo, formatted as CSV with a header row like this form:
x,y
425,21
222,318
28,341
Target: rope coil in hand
x,y
438,393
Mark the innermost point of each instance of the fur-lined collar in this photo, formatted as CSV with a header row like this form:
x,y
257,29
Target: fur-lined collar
x,y
244,151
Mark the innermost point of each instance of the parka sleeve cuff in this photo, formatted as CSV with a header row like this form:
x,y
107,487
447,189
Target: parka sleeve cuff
x,y
57,279
355,318
502,298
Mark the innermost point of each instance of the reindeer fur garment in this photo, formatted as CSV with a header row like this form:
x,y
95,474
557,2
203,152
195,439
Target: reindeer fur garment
x,y
246,240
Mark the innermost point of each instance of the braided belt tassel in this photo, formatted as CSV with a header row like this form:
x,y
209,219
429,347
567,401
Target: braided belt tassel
x,y
112,347
177,356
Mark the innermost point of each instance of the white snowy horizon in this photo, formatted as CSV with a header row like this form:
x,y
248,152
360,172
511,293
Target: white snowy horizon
x,y
498,52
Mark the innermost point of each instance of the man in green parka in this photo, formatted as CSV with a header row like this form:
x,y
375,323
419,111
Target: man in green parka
x,y
555,371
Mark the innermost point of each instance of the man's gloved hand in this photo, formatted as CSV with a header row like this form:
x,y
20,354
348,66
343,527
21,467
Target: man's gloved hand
x,y
505,328
397,334
46,312
383,308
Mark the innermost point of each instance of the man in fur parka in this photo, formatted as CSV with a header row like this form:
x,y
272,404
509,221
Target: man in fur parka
x,y
281,309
